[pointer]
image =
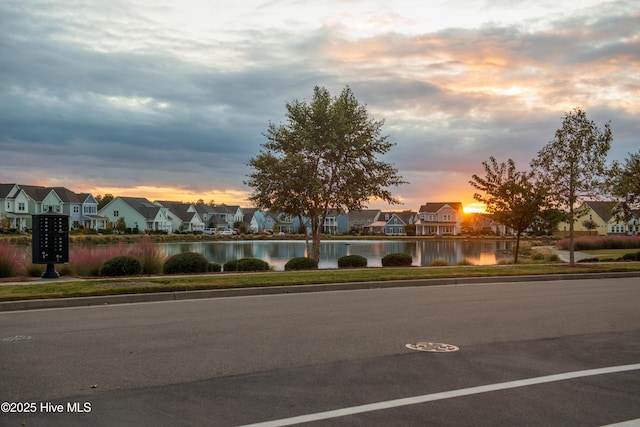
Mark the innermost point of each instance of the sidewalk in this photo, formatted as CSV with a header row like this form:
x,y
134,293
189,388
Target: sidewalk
x,y
564,255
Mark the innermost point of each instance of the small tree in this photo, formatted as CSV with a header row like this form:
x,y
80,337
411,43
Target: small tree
x,y
513,198
589,224
323,159
572,166
103,200
121,225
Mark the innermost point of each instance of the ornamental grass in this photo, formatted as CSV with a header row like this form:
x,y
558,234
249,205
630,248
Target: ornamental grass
x,y
600,242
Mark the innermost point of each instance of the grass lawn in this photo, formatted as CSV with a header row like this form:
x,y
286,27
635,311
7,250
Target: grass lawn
x,y
609,253
59,288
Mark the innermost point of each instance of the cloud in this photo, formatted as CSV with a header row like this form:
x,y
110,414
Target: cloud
x,y
135,94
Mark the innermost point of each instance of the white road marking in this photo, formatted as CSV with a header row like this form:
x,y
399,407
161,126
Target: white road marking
x,y
443,395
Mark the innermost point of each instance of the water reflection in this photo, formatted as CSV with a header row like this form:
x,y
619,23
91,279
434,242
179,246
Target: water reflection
x,y
278,252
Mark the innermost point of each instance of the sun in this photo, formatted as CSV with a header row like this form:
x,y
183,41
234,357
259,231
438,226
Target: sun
x,y
475,208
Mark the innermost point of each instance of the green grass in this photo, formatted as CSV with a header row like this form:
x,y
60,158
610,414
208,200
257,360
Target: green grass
x,y
78,288
609,253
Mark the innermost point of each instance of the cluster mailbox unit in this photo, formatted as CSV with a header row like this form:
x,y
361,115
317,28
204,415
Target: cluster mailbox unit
x,y
50,241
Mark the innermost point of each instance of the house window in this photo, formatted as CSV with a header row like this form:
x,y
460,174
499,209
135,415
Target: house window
x,y
116,213
446,217
21,206
432,217
76,209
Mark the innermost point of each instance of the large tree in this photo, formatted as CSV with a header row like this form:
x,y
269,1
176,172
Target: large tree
x,y
513,197
625,186
573,165
324,158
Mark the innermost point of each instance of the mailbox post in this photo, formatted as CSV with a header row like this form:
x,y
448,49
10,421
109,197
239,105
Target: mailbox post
x,y
50,241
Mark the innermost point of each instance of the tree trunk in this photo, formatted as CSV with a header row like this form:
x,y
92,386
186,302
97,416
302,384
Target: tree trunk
x,y
515,256
572,260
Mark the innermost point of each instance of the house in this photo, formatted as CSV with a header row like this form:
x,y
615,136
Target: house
x,y
599,218
359,221
20,202
254,218
227,216
10,216
89,218
440,219
82,209
275,221
335,222
207,215
393,223
183,216
138,213
483,223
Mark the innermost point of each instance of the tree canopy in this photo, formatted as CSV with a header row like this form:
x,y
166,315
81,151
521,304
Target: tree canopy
x,y
323,159
572,166
625,185
513,197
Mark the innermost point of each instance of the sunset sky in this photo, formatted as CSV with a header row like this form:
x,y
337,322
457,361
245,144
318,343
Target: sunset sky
x,y
170,99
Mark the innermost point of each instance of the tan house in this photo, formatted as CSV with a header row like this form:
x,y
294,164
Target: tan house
x,y
598,220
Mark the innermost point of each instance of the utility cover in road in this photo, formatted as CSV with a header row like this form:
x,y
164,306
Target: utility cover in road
x,y
433,347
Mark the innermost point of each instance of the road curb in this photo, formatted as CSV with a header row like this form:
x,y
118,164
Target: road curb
x,y
291,289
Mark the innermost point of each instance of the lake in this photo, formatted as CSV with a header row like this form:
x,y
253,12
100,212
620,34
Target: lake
x,y
278,252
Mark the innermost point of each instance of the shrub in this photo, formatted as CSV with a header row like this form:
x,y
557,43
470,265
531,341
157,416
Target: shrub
x,y
352,261
464,261
589,260
214,267
124,265
635,256
544,254
301,263
439,262
186,262
397,259
246,264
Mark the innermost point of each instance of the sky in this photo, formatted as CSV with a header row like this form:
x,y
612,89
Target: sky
x,y
169,99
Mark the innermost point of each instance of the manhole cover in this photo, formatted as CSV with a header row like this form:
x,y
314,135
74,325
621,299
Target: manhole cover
x,y
15,338
433,347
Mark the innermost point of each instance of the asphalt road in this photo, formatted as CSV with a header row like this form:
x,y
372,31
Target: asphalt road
x,y
235,361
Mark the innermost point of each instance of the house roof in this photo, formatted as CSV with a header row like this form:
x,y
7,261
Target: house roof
x,y
143,206
226,209
436,206
204,209
405,216
602,209
5,190
67,195
178,208
36,192
364,215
